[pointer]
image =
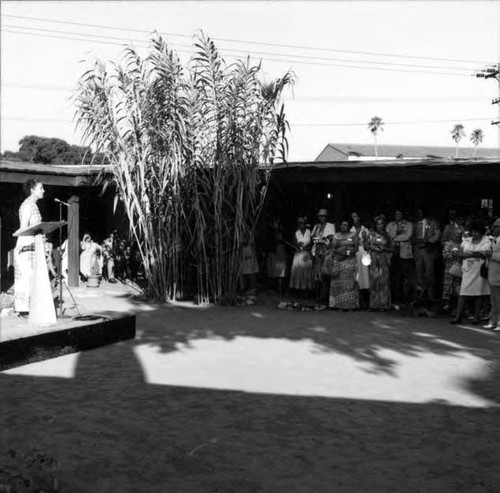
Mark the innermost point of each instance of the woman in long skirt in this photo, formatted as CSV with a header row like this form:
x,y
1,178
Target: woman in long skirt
x,y
24,255
301,275
344,293
474,251
451,279
378,245
363,274
277,263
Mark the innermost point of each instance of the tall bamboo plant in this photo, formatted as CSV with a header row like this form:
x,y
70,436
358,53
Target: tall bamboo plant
x,y
191,151
134,113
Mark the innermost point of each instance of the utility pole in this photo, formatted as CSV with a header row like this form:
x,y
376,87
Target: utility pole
x,y
493,72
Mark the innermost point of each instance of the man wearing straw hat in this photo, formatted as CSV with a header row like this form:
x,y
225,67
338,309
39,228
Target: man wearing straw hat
x,y
322,235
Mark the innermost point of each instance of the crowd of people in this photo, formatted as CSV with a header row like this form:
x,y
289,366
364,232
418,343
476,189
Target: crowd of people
x,y
375,265
112,259
385,264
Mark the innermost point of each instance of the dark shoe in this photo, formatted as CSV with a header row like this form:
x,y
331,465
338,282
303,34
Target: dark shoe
x,y
475,321
456,321
112,281
24,315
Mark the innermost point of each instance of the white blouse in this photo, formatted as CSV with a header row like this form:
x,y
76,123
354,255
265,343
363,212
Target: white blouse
x,y
303,239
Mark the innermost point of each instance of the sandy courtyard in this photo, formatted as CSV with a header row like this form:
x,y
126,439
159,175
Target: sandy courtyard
x,y
255,399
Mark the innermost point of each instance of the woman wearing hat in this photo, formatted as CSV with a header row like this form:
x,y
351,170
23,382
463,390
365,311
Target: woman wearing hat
x,y
322,235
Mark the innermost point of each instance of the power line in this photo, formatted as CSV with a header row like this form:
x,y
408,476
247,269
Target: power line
x,y
62,37
43,87
307,57
26,119
387,123
230,40
289,99
29,119
262,58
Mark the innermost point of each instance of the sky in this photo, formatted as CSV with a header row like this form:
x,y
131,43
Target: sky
x,y
410,63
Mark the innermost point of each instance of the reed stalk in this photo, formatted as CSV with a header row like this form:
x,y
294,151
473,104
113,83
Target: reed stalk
x,y
191,151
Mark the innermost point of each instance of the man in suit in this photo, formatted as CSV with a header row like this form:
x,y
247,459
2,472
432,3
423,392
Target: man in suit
x,y
402,264
494,278
426,234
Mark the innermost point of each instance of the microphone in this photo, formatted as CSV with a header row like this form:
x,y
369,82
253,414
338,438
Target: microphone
x,y
61,202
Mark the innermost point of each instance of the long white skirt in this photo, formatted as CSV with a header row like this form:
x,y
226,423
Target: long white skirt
x,y
23,275
472,282
302,274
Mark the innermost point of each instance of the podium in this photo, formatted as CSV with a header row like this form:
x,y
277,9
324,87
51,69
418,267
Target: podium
x,y
40,229
42,310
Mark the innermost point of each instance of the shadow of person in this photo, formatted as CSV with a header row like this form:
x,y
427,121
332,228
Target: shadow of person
x,y
109,367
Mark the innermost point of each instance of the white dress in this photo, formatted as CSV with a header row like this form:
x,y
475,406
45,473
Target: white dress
x,y
363,275
302,276
472,282
90,249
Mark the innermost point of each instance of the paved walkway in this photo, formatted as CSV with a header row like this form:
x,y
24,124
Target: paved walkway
x,y
256,399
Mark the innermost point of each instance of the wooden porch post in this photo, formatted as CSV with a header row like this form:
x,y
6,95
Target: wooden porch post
x,y
338,204
74,241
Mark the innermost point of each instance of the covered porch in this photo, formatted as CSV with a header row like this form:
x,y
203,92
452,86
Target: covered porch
x,y
374,187
78,186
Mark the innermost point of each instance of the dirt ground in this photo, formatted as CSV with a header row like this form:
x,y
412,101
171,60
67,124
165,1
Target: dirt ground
x,y
255,399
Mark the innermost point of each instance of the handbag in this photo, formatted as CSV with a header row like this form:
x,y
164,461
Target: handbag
x,y
455,270
483,271
330,268
366,259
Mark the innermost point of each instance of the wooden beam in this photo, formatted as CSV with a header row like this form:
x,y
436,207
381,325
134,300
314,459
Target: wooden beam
x,y
388,175
74,241
338,204
67,338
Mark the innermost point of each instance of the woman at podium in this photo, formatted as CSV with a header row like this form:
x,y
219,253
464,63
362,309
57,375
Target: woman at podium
x,y
24,256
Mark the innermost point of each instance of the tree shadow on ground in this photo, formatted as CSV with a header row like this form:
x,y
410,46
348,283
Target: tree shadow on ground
x,y
113,432
373,340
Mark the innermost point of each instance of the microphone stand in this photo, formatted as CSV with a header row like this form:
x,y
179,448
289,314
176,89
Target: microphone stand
x,y
60,202
60,262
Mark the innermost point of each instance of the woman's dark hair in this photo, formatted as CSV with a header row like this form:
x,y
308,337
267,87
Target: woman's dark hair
x,y
29,184
478,226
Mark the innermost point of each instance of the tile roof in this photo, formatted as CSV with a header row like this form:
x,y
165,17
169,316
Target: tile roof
x,y
342,152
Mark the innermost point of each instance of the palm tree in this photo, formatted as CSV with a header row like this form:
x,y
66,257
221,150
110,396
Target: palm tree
x,y
191,150
456,134
476,137
375,125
